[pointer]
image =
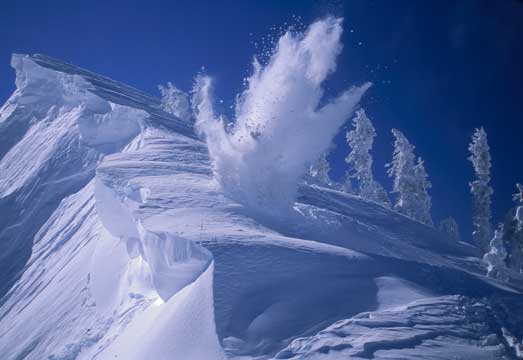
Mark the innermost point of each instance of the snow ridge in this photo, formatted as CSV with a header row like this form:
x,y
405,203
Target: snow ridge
x,y
53,131
117,241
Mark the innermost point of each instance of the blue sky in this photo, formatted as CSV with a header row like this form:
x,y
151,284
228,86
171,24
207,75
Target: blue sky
x,y
439,68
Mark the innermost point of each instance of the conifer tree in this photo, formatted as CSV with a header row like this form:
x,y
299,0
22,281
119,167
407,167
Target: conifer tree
x,y
495,257
518,198
423,200
361,140
513,232
347,184
410,181
480,189
449,227
319,172
175,101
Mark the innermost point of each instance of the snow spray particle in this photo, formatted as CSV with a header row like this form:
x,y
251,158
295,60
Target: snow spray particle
x,y
279,127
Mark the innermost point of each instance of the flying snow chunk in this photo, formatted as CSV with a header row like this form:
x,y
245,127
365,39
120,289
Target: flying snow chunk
x,y
279,126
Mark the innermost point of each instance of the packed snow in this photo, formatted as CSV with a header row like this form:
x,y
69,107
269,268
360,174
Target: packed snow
x,y
123,234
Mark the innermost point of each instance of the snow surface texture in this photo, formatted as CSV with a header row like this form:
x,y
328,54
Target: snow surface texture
x,y
448,327
118,243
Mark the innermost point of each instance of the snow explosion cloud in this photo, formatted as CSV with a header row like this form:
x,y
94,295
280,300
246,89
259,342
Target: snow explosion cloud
x,y
279,126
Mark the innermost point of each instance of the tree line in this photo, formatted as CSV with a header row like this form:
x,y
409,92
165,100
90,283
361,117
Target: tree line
x,y
410,196
502,248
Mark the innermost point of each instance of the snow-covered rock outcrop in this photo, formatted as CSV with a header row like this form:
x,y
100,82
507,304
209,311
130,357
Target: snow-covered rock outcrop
x,y
117,242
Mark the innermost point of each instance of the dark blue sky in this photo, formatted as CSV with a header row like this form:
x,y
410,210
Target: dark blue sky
x,y
440,68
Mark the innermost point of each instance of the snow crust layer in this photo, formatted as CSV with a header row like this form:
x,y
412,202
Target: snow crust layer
x,y
117,242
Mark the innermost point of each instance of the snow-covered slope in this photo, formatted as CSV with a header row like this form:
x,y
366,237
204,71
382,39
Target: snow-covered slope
x,y
116,242
447,327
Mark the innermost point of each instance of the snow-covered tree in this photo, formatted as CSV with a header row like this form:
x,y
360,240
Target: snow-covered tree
x,y
495,257
360,140
381,195
423,200
401,170
518,198
319,172
410,181
347,184
513,232
480,189
175,101
513,240
449,227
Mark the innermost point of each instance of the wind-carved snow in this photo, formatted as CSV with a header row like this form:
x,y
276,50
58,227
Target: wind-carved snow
x,y
180,272
174,262
53,131
279,126
120,267
132,250
432,328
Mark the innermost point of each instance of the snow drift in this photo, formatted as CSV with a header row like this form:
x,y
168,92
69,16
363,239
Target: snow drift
x,y
279,125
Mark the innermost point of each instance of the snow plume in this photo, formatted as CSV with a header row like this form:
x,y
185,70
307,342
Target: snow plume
x,y
279,127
